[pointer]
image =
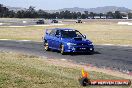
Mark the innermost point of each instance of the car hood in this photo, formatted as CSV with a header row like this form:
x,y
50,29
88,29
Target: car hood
x,y
74,40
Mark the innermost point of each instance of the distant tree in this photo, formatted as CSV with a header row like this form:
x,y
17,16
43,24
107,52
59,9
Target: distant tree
x,y
53,16
62,14
100,15
130,15
1,8
83,16
78,15
92,15
20,14
67,14
41,13
117,15
30,12
1,5
109,15
5,12
86,14
11,14
31,9
74,15
57,15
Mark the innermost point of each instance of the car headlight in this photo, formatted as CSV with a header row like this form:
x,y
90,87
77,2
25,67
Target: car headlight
x,y
91,44
71,44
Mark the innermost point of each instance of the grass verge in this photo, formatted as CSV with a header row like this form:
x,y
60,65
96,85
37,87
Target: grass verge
x,y
99,33
26,71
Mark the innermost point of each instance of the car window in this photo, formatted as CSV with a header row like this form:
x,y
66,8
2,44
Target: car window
x,y
71,34
52,33
57,32
78,34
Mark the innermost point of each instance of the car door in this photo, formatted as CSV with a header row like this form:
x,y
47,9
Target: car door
x,y
51,38
57,40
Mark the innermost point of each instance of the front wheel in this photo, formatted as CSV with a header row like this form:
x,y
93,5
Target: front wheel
x,y
91,52
62,49
46,46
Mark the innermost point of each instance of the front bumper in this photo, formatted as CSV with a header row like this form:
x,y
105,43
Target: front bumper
x,y
89,48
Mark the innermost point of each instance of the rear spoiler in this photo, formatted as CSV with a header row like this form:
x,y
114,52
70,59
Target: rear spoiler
x,y
48,31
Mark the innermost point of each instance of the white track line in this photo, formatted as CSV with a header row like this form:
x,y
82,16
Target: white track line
x,y
63,59
108,44
25,40
5,39
1,23
17,40
49,25
124,23
115,45
14,26
35,25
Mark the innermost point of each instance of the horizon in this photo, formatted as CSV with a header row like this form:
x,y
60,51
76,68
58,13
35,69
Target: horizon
x,y
63,8
52,5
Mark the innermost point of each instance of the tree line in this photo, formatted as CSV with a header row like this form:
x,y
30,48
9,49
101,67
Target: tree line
x,y
31,12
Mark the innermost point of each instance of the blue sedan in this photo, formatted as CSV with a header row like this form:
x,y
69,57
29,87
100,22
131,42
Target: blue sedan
x,y
66,40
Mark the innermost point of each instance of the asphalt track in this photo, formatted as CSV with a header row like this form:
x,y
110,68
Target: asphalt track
x,y
114,57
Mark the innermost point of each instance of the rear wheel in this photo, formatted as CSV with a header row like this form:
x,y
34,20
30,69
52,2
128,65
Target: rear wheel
x,y
62,49
46,46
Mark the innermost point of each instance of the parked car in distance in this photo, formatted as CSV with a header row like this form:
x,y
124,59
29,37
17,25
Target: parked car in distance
x,y
79,21
40,22
66,40
54,21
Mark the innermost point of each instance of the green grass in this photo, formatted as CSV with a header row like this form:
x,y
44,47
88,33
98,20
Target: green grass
x,y
98,32
26,71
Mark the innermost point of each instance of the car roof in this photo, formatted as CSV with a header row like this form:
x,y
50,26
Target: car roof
x,y
61,29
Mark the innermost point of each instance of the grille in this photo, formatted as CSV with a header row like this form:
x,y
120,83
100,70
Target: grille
x,y
82,44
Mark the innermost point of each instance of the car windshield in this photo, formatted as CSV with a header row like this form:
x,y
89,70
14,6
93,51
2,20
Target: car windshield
x,y
70,33
41,20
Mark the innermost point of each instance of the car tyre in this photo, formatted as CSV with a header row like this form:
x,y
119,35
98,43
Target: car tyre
x,y
46,46
90,52
62,50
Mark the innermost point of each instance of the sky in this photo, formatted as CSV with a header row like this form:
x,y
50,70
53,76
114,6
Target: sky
x,y
59,4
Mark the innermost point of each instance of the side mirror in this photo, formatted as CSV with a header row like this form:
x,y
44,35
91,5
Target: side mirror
x,y
84,36
58,36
